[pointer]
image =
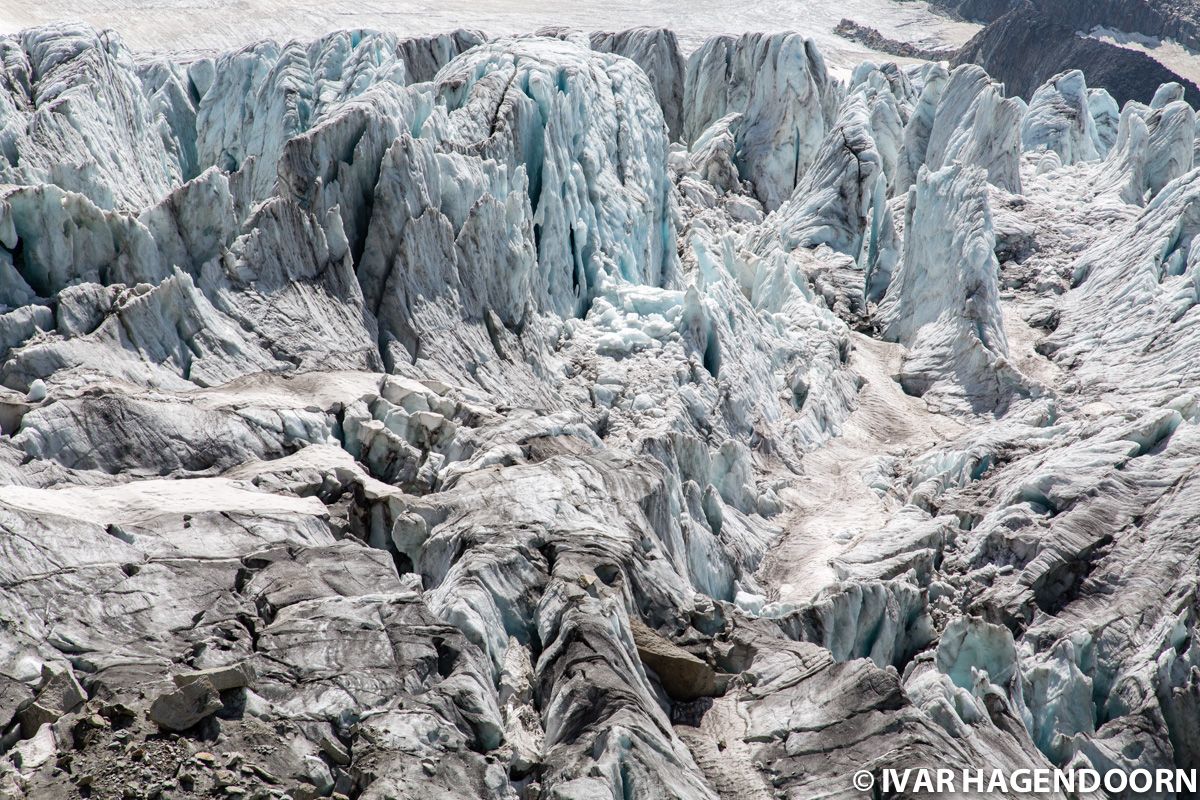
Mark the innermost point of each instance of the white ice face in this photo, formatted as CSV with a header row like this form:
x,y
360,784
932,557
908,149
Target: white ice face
x,y
1060,119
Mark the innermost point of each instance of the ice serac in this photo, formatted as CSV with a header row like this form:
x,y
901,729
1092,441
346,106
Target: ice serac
x,y
60,238
255,100
713,156
1060,120
547,111
920,126
290,280
974,124
168,335
1154,146
173,96
423,56
779,83
73,114
266,93
1168,155
1106,119
333,167
430,214
943,303
656,51
841,202
889,99
1166,94
1138,293
835,199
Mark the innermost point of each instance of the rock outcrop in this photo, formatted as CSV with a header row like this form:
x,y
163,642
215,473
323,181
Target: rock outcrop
x,y
1032,42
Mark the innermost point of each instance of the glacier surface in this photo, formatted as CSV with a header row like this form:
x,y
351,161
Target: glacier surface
x,y
569,416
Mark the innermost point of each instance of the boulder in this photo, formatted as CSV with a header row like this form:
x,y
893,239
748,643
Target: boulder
x,y
232,676
187,705
60,694
683,676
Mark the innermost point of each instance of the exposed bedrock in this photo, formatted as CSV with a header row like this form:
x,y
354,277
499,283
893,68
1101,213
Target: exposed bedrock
x,y
1173,19
1030,41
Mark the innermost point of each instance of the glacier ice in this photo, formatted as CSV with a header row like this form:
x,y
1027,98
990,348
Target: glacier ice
x,y
943,304
1106,119
833,202
74,115
975,124
919,126
1151,149
788,100
557,416
279,91
1060,119
656,51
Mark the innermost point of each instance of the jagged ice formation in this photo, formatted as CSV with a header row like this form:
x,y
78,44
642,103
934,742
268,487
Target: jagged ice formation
x,y
554,416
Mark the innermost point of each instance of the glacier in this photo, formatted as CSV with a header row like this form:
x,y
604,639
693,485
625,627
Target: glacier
x,y
565,415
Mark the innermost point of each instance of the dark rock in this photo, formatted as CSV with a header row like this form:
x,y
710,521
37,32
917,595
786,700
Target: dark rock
x,y
14,695
332,747
865,35
1026,47
234,676
1174,19
305,791
187,705
974,10
682,675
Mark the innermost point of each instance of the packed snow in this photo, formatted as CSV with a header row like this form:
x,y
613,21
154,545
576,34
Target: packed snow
x,y
200,25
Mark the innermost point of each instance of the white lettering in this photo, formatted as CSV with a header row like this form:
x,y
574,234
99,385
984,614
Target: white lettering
x,y
924,781
1115,780
1041,780
1136,778
1037,782
945,780
1185,778
894,782
1019,781
1162,779
996,782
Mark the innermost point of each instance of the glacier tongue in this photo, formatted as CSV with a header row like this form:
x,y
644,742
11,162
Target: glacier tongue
x,y
554,416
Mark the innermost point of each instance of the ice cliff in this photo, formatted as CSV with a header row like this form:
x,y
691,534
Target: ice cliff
x,y
553,416
943,303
